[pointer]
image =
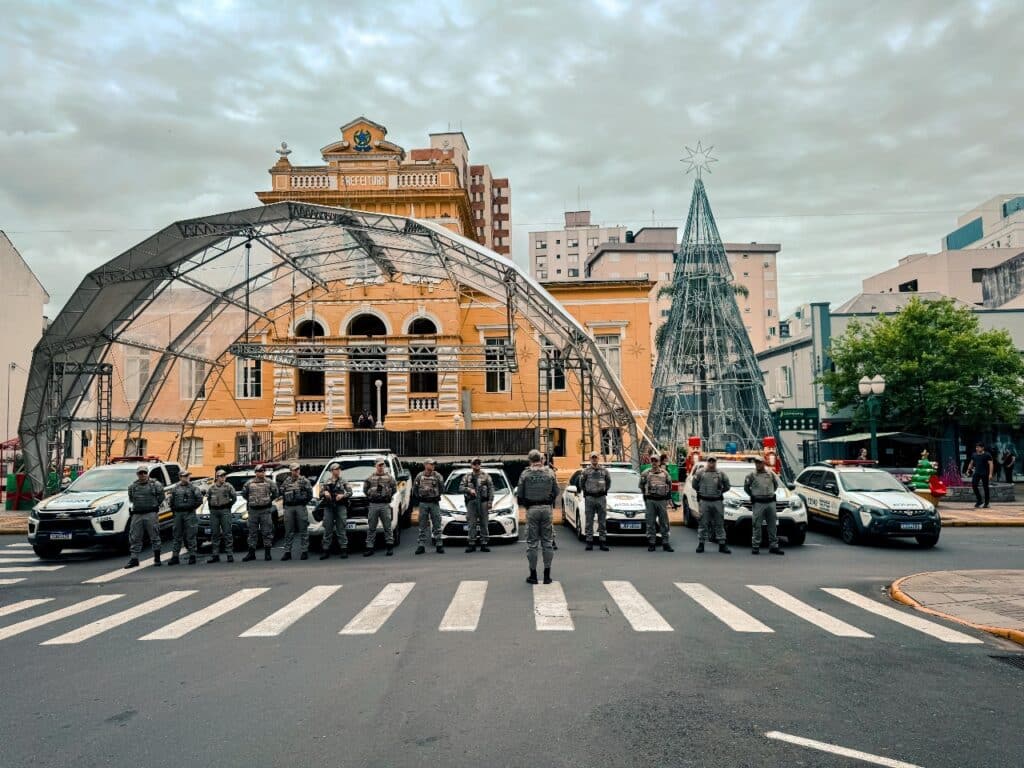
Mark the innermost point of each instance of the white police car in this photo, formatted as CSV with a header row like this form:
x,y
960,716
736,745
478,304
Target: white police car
x,y
866,502
624,504
503,522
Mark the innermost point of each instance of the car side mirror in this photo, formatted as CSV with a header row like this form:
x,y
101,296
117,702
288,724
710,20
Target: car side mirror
x,y
831,488
791,486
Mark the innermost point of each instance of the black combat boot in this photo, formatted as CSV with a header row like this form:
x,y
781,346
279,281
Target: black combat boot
x,y
174,559
590,546
156,557
651,547
440,549
724,549
231,558
266,554
213,559
667,547
420,550
286,556
471,548
484,548
755,550
304,556
776,551
547,575
368,552
390,551
133,563
344,554
325,555
532,578
554,544
700,547
250,556
603,546
191,559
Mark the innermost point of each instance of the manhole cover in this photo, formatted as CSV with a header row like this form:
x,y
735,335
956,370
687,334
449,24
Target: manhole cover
x,y
1014,661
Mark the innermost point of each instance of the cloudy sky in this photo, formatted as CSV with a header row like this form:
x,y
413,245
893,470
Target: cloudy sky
x,y
851,132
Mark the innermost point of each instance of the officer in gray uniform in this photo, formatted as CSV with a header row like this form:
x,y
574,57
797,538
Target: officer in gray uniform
x,y
259,494
710,485
656,486
297,492
537,491
380,488
761,486
477,489
221,498
334,498
145,496
427,489
185,499
595,481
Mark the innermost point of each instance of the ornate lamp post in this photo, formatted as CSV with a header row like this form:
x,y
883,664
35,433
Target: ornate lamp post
x,y
378,384
330,405
872,389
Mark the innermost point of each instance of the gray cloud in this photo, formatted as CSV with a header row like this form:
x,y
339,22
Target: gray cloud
x,y
850,132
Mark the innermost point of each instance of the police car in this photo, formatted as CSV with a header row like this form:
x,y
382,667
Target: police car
x,y
624,504
790,508
503,522
866,502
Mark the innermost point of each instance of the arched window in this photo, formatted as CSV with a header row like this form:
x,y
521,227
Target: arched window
x,y
310,383
422,326
309,329
367,325
423,360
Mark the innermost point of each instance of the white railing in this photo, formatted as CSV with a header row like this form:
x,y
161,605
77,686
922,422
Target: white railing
x,y
417,180
311,181
422,403
309,406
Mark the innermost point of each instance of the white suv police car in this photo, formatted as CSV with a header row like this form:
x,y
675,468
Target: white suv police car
x,y
624,504
503,521
866,502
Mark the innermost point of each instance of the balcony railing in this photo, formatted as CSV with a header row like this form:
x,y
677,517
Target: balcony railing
x,y
309,405
423,403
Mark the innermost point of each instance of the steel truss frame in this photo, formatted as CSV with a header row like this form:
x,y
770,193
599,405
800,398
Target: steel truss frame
x,y
329,356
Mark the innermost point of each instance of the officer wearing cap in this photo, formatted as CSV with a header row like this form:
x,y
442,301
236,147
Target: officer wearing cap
x,y
297,492
426,489
259,494
380,488
185,499
477,489
761,486
656,487
595,481
711,486
537,490
221,498
334,499
145,496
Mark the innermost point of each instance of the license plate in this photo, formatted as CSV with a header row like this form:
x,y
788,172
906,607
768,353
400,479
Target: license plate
x,y
61,536
350,526
631,526
911,526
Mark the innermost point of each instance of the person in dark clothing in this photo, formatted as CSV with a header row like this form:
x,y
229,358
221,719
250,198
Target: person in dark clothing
x,y
361,421
1006,461
980,469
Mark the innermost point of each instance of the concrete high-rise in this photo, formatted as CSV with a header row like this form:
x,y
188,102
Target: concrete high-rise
x,y
561,255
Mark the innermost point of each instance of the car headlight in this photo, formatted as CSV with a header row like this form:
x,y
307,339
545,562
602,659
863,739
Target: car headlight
x,y
111,509
34,513
733,502
796,503
503,511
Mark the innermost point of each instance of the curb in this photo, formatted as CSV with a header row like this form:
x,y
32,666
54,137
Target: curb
x,y
897,594
983,524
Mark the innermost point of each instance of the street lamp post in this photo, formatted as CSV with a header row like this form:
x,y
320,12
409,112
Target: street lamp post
x,y
872,389
378,384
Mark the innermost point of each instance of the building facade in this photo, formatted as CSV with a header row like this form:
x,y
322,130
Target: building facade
x,y
996,223
958,274
561,255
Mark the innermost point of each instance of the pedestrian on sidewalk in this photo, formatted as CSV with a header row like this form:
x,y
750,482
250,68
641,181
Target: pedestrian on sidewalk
x,y
980,469
1007,461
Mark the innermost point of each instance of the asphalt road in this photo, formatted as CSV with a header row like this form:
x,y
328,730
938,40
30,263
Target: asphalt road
x,y
698,693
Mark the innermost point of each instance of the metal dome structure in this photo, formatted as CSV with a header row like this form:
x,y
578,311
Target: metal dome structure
x,y
182,298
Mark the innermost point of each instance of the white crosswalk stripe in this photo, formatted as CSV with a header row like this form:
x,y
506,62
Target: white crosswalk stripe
x,y
144,562
640,614
378,610
808,613
279,621
22,545
28,568
100,626
7,610
5,559
733,617
945,634
6,582
463,614
550,608
178,629
63,613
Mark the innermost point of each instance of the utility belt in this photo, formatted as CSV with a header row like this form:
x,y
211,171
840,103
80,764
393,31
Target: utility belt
x,y
134,511
220,509
295,503
385,500
659,497
595,495
543,503
182,510
430,499
762,499
701,497
261,509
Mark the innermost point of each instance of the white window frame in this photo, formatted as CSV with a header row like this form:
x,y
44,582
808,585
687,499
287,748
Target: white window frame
x,y
244,387
553,379
496,382
192,375
191,451
610,345
784,381
136,373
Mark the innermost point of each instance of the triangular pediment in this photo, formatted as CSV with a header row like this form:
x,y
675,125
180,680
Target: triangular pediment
x,y
360,138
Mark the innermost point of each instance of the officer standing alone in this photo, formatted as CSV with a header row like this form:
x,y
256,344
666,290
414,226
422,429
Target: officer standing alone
x,y
380,490
656,487
537,490
478,490
334,496
259,494
761,486
145,496
185,500
427,489
711,486
297,492
221,498
595,481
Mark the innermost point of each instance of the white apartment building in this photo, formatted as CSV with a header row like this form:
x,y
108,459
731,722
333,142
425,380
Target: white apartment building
x,y
560,255
996,223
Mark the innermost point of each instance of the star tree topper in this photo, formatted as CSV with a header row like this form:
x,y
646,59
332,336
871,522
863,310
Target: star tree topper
x,y
699,159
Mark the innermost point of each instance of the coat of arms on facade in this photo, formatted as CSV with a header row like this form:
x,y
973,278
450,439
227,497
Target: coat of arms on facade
x,y
362,139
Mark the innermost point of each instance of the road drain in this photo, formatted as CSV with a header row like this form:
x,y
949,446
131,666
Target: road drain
x,y
1014,661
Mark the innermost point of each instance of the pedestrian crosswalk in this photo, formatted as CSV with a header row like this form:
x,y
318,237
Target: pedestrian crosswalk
x,y
465,610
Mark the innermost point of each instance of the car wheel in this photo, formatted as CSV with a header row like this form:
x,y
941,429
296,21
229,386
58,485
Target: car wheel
x,y
47,551
797,537
928,541
580,533
848,529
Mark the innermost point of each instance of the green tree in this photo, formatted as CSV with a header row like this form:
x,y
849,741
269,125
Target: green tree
x,y
936,361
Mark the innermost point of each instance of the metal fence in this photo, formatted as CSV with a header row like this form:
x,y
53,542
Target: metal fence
x,y
423,443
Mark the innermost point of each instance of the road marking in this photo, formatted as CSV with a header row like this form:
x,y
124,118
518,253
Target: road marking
x,y
28,568
550,609
808,613
143,563
100,626
7,610
834,749
5,582
63,613
945,634
4,559
733,617
638,612
463,614
279,621
181,627
20,546
378,610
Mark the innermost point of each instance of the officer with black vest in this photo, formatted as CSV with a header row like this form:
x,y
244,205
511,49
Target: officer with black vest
x,y
711,485
537,491
426,489
335,495
595,480
185,499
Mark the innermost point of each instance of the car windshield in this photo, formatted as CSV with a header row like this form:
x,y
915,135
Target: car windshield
x,y
452,484
870,482
625,482
352,470
104,480
736,475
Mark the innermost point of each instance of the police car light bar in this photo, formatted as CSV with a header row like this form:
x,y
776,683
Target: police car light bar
x,y
126,459
850,462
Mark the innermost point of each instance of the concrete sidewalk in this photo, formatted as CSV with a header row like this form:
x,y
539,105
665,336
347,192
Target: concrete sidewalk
x,y
958,514
13,522
992,601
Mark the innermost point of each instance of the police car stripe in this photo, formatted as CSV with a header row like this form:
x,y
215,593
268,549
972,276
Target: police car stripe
x,y
550,608
193,621
28,568
63,613
378,610
945,634
463,614
279,621
733,617
6,582
808,613
640,614
100,626
7,610
144,562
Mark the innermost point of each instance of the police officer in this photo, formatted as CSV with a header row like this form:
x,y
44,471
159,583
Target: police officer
x,y
537,491
711,486
185,499
478,490
656,487
145,496
427,490
259,494
297,492
221,497
761,486
595,481
334,498
380,490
